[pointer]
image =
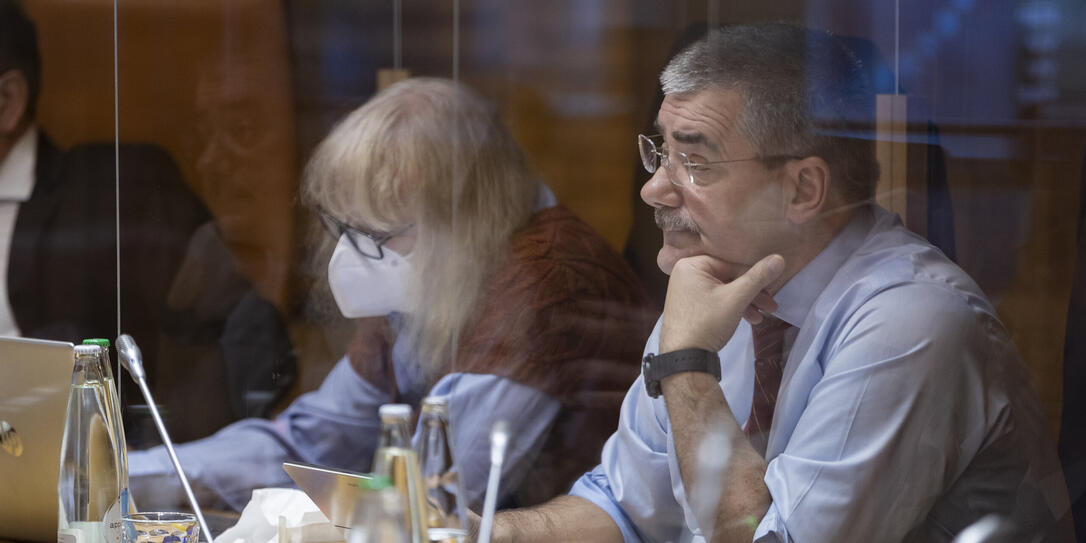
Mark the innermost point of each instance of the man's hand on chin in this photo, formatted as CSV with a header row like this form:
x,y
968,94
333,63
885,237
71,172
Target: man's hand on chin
x,y
702,311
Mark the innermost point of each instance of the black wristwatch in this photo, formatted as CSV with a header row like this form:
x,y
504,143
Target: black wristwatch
x,y
657,366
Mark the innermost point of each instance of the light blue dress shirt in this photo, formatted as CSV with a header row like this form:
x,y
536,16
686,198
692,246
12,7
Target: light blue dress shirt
x,y
904,412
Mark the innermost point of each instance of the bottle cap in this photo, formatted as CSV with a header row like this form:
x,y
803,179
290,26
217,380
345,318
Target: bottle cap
x,y
101,342
435,406
87,349
436,401
395,410
377,482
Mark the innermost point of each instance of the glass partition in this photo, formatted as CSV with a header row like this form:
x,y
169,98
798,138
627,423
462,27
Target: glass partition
x,y
501,188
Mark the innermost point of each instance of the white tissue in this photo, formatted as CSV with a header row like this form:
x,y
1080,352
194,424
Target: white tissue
x,y
281,515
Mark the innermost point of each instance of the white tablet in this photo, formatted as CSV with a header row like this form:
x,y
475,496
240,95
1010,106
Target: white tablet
x,y
336,492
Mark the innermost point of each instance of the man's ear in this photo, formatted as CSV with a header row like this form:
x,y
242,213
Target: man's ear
x,y
14,98
808,188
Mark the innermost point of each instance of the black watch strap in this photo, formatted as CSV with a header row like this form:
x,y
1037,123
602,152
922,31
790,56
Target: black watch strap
x,y
656,367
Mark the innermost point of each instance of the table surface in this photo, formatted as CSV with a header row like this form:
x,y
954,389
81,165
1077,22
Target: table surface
x,y
217,522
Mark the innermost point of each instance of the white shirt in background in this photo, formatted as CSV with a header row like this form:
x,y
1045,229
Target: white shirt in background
x,y
16,184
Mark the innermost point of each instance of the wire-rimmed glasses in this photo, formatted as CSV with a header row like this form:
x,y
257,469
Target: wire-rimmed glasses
x,y
370,245
694,173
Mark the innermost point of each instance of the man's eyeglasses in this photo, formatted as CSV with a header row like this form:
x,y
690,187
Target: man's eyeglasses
x,y
370,245
695,173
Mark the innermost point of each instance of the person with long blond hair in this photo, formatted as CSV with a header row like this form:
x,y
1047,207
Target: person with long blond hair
x,y
466,280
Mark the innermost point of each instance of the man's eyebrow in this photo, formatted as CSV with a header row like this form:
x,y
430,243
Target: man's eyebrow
x,y
693,138
688,138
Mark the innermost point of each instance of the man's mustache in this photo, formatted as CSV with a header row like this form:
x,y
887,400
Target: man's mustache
x,y
669,219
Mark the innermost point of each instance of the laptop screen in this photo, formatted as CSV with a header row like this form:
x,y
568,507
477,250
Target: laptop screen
x,y
35,376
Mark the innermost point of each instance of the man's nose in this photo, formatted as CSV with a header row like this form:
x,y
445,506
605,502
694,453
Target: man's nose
x,y
658,191
214,162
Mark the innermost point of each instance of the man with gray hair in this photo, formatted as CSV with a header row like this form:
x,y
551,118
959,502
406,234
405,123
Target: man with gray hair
x,y
819,373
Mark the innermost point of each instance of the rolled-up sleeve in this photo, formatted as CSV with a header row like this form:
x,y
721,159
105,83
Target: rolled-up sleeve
x,y
595,487
633,482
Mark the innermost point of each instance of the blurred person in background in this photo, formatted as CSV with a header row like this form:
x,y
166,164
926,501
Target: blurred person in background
x,y
467,280
205,330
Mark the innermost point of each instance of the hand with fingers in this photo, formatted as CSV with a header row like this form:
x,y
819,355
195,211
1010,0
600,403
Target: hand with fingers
x,y
702,310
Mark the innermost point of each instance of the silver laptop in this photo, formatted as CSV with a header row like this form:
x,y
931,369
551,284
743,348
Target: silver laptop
x,y
334,491
35,377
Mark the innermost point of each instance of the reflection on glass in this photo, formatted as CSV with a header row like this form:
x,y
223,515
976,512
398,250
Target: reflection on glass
x,y
989,164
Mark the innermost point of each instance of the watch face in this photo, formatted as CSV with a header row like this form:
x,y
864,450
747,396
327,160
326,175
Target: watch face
x,y
647,367
652,384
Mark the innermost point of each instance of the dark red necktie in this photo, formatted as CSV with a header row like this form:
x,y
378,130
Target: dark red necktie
x,y
768,338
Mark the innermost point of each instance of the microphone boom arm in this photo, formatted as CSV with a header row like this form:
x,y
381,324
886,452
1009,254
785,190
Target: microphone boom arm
x,y
132,361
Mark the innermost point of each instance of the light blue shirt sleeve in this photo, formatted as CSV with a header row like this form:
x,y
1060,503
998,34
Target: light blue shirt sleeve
x,y
476,402
633,482
637,482
595,487
337,425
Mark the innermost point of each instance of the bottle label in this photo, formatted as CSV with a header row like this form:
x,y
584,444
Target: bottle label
x,y
68,535
111,522
87,532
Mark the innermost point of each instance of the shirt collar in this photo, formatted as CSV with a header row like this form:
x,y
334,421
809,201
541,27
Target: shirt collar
x,y
795,298
544,198
17,169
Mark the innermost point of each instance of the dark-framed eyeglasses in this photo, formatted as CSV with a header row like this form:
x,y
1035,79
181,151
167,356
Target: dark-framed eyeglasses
x,y
368,244
654,154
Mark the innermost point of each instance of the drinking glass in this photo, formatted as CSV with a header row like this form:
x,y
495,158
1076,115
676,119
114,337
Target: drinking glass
x,y
160,528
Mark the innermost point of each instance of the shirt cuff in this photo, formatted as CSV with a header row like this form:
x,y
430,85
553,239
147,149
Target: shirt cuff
x,y
594,487
771,529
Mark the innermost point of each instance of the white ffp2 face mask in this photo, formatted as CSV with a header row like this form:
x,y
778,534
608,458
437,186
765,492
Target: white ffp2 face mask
x,y
367,287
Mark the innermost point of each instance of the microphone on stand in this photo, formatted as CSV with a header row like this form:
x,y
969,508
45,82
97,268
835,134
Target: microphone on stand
x,y
132,360
499,441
